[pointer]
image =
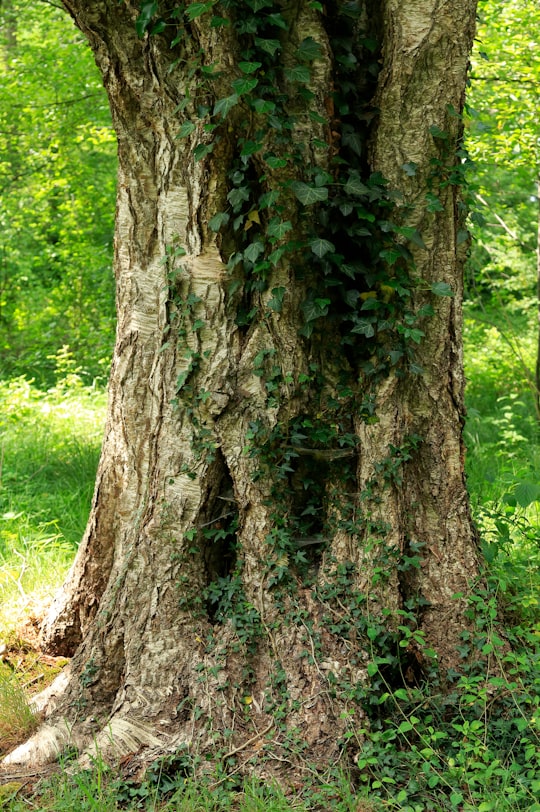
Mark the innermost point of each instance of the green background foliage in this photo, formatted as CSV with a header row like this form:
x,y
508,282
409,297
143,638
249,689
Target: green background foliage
x,y
57,188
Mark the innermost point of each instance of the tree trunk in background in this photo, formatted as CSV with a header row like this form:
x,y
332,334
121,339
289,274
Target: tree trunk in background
x,y
273,500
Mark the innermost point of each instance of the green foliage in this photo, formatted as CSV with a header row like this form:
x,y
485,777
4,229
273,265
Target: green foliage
x,y
502,139
49,450
57,190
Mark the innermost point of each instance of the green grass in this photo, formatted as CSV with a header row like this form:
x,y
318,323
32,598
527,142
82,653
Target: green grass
x,y
49,448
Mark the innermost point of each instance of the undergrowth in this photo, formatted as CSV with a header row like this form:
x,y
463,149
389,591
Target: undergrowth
x,y
470,743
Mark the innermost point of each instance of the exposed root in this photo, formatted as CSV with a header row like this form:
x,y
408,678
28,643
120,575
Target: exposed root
x,y
119,738
43,747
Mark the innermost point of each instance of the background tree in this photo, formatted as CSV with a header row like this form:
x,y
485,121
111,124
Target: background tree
x,y
57,186
280,514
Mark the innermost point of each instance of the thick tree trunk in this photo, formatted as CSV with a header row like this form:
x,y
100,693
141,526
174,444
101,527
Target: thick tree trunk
x,y
267,503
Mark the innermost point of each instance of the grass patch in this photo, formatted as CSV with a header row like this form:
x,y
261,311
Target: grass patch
x,y
49,449
17,719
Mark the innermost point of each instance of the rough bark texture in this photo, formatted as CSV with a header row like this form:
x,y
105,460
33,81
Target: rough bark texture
x,y
157,663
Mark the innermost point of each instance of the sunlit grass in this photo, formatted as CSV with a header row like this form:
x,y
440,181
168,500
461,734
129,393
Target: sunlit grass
x,y
503,460
17,719
49,448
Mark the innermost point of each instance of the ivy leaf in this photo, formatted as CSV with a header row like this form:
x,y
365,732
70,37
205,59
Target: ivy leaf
x,y
278,20
309,194
315,308
218,220
433,203
276,302
268,199
413,235
442,289
143,20
276,255
249,67
410,168
270,46
250,148
355,187
321,247
253,251
274,162
238,196
263,106
353,140
186,129
278,228
299,74
244,85
197,9
223,106
436,132
308,50
202,150
364,327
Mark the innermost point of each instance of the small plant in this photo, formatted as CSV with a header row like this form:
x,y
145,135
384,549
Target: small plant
x,y
17,718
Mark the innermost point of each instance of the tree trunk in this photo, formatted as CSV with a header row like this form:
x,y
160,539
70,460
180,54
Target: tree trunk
x,y
281,483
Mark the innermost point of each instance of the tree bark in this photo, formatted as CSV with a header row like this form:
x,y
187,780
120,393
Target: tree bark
x,y
266,503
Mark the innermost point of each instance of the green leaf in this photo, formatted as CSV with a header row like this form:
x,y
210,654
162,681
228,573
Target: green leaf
x,y
433,203
405,727
372,669
262,106
527,493
218,220
223,106
410,168
244,85
413,235
143,20
186,129
276,302
202,150
238,196
278,228
299,73
355,187
442,289
436,132
268,199
276,255
250,148
274,162
197,9
249,67
315,308
278,20
308,195
321,247
308,50
364,327
270,46
253,251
